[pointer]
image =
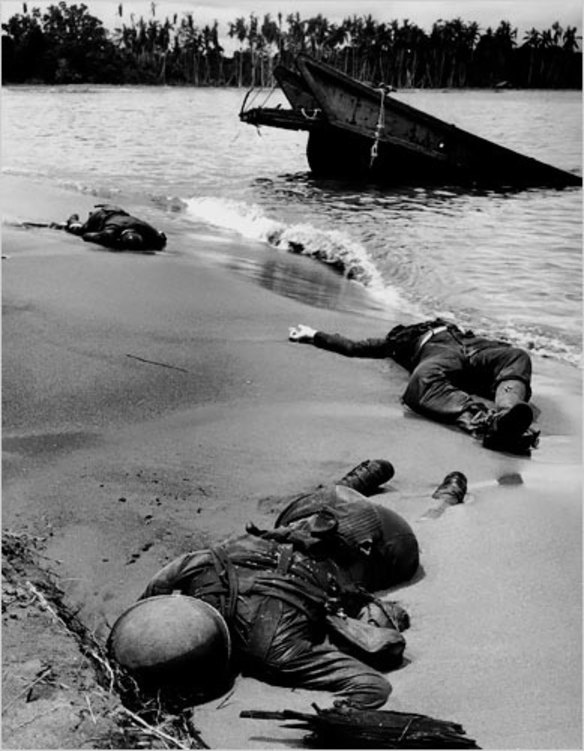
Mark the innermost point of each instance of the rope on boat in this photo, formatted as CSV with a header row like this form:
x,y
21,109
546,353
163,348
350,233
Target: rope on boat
x,y
253,94
270,92
245,98
378,128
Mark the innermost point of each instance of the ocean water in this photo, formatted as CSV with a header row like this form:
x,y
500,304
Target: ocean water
x,y
508,264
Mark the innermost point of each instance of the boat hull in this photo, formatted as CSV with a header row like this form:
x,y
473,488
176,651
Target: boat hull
x,y
335,154
359,132
391,141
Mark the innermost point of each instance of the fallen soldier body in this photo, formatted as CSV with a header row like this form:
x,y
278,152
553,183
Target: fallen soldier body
x,y
292,606
452,373
114,228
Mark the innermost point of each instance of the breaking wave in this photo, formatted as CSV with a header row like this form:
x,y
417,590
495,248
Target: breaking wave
x,y
543,343
349,257
332,247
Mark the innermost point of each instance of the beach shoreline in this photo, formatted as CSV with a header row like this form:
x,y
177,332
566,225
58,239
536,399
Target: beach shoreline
x,y
152,404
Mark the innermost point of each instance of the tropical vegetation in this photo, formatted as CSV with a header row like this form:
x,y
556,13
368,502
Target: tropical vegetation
x,y
66,44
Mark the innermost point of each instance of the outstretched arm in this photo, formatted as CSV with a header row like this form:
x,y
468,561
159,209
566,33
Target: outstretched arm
x,y
302,333
109,238
177,574
294,660
374,347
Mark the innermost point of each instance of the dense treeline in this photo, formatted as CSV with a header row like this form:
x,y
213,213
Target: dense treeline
x,y
66,44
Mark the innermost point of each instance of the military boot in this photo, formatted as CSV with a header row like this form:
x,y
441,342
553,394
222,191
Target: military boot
x,y
366,477
512,444
508,429
452,489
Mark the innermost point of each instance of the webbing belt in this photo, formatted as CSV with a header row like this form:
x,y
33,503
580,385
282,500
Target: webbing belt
x,y
428,335
263,629
222,565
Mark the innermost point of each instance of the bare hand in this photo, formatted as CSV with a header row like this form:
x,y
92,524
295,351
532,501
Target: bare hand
x,y
301,333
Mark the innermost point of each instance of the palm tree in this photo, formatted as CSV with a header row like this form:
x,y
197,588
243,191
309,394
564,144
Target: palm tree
x,y
466,40
439,42
217,53
353,27
504,40
571,72
419,45
271,36
570,43
366,48
532,40
239,29
254,41
190,42
316,30
410,41
335,39
163,44
296,33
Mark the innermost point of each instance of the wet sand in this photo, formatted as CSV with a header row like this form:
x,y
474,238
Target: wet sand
x,y
152,404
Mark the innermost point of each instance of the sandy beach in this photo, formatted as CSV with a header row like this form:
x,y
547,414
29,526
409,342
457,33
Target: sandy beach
x,y
152,404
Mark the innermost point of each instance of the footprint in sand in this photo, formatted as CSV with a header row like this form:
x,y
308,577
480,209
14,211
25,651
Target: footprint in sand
x,y
135,556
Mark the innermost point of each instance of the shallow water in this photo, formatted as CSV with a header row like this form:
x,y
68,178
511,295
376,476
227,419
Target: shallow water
x,y
508,264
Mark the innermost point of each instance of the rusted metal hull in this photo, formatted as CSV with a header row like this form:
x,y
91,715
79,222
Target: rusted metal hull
x,y
359,132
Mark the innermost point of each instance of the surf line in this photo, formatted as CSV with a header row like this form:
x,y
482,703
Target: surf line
x,y
154,362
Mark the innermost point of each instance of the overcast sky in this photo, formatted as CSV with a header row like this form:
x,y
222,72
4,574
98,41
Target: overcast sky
x,y
524,14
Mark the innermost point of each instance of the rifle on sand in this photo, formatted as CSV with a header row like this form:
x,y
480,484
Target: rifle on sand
x,y
347,727
39,225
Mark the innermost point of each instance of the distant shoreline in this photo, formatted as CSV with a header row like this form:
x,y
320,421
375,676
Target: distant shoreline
x,y
453,53
184,85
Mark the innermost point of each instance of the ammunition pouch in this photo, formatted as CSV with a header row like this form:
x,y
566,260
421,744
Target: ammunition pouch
x,y
380,648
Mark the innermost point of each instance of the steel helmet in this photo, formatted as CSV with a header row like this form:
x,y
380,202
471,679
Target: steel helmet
x,y
172,638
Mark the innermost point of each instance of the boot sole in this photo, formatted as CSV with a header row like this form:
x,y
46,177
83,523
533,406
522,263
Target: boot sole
x,y
366,477
517,420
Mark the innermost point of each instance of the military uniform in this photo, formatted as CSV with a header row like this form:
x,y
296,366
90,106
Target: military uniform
x,y
105,226
449,367
275,588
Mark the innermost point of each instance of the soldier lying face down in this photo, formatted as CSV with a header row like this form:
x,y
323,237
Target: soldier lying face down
x,y
452,373
292,606
114,228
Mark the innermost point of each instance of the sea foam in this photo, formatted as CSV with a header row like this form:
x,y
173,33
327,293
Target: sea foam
x,y
332,247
